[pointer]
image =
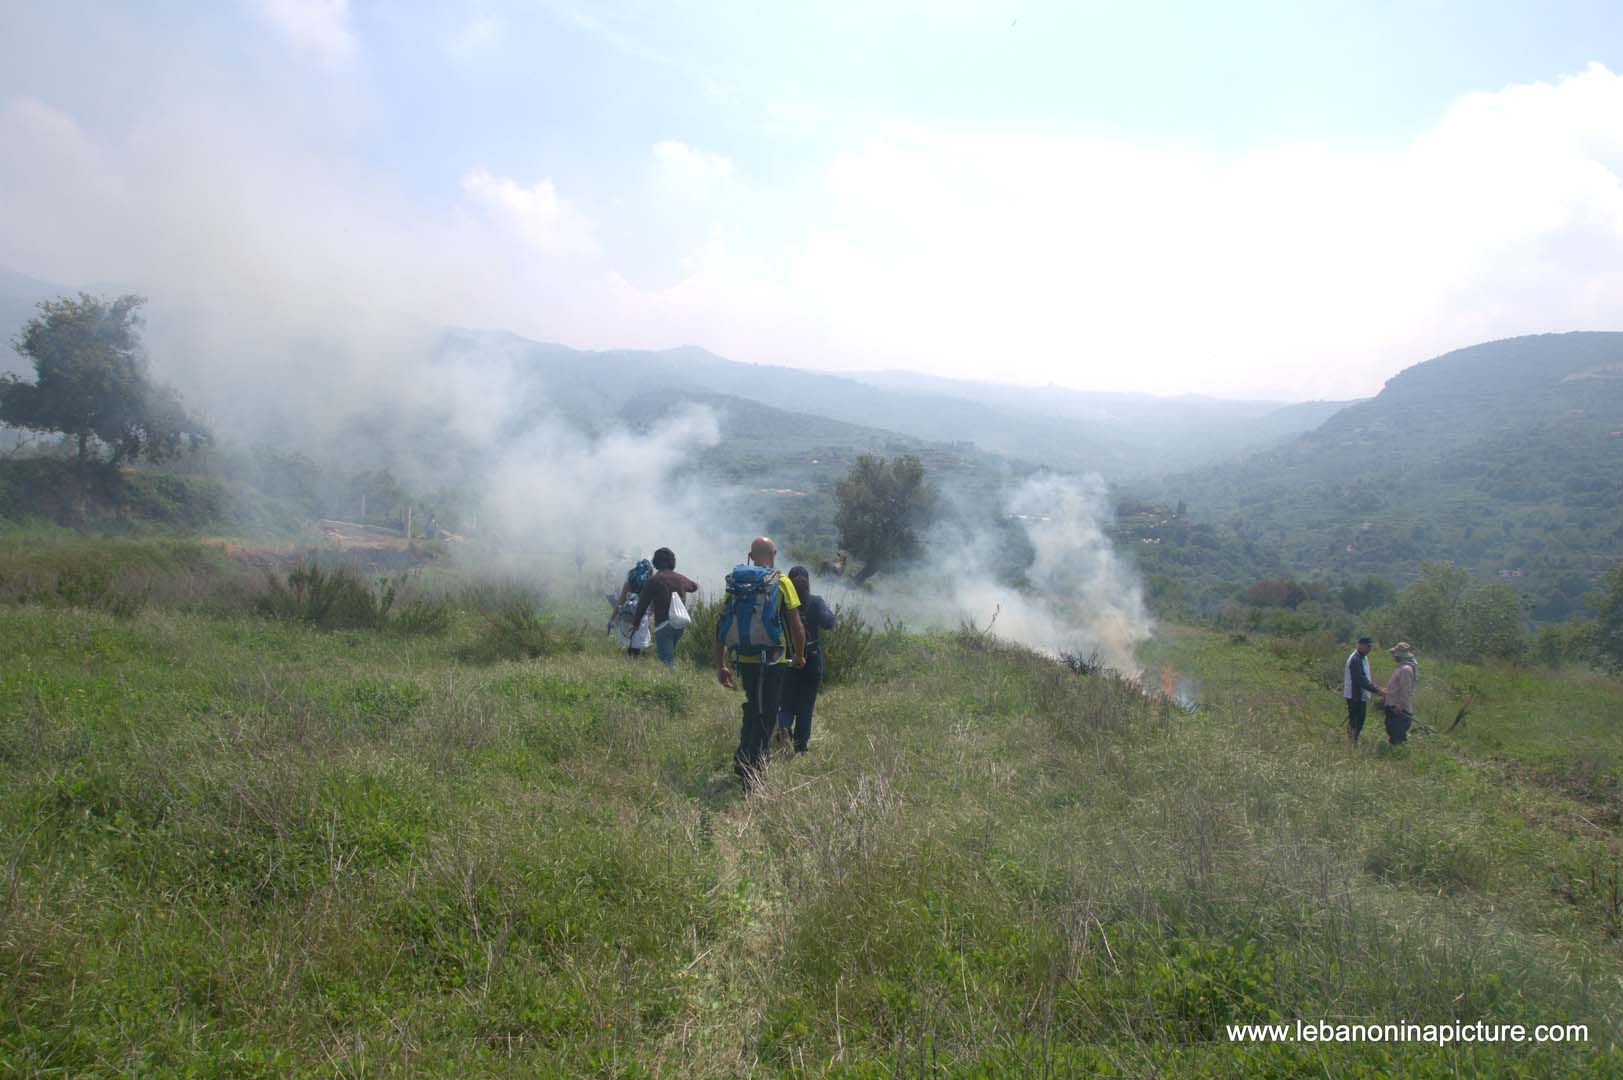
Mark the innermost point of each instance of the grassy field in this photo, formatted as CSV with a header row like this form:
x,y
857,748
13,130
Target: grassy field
x,y
232,845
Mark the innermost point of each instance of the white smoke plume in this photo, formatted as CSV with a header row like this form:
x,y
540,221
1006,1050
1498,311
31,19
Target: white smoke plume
x,y
1080,596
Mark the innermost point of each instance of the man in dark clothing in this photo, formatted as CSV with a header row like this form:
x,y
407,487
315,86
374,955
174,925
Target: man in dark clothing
x,y
762,672
1356,687
656,595
800,687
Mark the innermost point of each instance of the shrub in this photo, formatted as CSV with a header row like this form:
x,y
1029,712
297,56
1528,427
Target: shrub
x,y
337,599
1570,642
850,649
422,617
700,640
1359,596
1088,665
341,599
1450,613
514,629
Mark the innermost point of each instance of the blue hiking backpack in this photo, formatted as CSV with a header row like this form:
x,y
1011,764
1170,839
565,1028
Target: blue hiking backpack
x,y
636,578
638,575
750,623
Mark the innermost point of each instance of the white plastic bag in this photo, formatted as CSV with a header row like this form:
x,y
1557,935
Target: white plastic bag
x,y
678,619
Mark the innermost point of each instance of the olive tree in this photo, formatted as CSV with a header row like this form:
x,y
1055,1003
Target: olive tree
x,y
884,508
91,383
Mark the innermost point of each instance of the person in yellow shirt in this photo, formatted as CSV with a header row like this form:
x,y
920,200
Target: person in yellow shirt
x,y
761,651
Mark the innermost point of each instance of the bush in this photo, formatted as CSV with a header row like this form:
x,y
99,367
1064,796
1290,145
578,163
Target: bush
x,y
850,649
1451,613
337,599
421,617
699,643
342,599
514,629
1360,596
1570,642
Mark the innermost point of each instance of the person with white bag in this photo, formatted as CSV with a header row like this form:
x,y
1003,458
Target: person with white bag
x,y
663,595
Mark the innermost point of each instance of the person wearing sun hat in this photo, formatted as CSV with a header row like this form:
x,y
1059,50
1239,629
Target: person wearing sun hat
x,y
1399,694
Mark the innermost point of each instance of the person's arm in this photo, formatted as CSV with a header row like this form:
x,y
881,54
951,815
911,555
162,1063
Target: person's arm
x,y
724,674
824,614
797,634
644,598
684,584
620,602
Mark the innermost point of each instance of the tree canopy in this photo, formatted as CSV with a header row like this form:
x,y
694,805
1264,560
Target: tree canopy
x,y
91,382
884,508
1448,611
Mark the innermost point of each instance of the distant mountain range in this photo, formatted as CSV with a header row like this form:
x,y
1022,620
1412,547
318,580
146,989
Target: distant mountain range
x,y
1123,436
1126,437
1148,434
1505,457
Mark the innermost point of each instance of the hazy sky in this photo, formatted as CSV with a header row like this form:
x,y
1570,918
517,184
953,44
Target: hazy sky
x,y
1282,200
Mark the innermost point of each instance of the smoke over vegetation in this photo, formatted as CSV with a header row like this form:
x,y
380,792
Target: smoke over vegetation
x,y
569,500
1064,590
459,416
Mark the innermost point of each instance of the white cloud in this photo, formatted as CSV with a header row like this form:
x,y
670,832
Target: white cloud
x,y
474,37
1297,270
1300,270
319,26
689,163
56,169
536,212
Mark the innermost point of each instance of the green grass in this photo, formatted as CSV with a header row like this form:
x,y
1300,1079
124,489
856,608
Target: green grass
x,y
1565,726
235,846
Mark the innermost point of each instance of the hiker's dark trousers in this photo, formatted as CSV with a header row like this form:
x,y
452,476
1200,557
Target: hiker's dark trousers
x,y
1357,709
1397,726
763,691
800,698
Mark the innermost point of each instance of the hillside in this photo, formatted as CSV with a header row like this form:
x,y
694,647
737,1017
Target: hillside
x,y
1122,436
241,845
599,383
1505,457
786,464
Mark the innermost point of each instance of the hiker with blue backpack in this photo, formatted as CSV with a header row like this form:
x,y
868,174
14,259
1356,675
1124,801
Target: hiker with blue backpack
x,y
624,621
759,629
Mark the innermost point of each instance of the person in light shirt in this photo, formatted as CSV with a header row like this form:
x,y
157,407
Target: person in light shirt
x,y
1399,693
1357,686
